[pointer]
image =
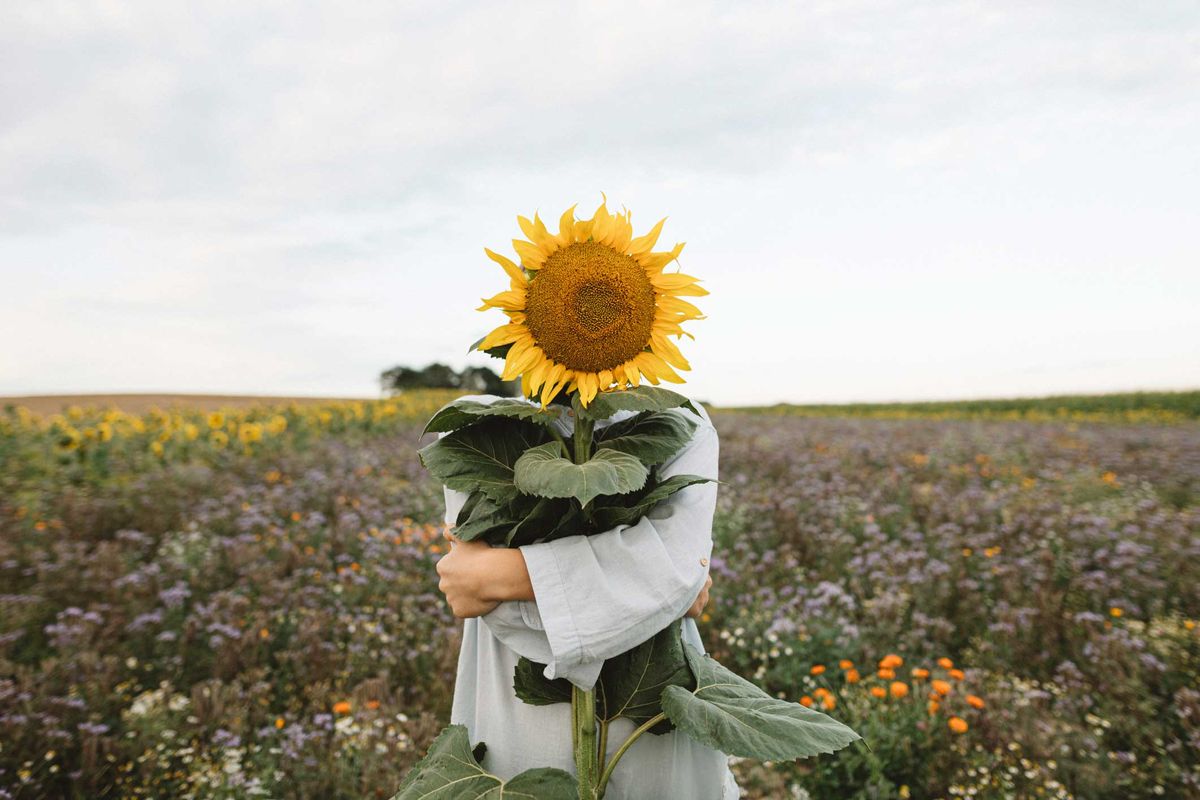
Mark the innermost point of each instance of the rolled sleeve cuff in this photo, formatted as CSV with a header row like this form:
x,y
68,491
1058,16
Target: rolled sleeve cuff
x,y
553,609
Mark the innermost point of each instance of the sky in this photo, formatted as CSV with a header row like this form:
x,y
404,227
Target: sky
x,y
885,200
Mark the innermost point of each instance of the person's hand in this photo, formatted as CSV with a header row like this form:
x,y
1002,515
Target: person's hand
x,y
464,574
701,600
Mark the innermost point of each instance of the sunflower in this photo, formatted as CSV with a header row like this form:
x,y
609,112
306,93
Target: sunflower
x,y
590,308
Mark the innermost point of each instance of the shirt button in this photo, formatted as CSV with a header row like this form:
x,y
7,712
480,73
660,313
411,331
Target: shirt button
x,y
704,562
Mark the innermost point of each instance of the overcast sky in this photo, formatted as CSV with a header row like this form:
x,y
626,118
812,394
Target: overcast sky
x,y
886,200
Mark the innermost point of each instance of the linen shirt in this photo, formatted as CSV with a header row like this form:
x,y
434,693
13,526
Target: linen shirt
x,y
595,597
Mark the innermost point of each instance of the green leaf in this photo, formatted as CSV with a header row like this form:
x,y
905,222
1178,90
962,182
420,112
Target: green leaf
x,y
631,684
640,398
481,518
451,771
733,715
461,413
538,523
532,686
610,516
652,436
542,471
483,456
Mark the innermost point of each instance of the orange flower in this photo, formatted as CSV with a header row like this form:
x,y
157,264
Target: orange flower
x,y
899,689
933,707
975,701
820,691
818,669
891,661
941,687
806,701
372,704
846,663
878,691
945,663
341,707
829,702
957,674
887,674
279,723
852,676
957,724
919,673
1116,612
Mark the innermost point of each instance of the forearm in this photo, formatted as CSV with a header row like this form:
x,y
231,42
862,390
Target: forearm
x,y
507,576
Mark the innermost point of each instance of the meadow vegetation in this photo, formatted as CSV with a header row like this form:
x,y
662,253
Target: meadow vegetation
x,y
243,603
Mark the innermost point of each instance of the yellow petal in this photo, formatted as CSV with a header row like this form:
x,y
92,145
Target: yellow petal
x,y
526,385
538,374
660,367
531,255
601,224
512,300
654,262
671,303
583,229
606,379
645,368
631,373
588,386
644,244
694,290
503,335
665,348
514,272
566,227
670,281
622,233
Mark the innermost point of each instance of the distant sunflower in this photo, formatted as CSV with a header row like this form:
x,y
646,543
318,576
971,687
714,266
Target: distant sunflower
x,y
590,308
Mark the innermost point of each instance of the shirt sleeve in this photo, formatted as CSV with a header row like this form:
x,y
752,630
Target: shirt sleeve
x,y
597,596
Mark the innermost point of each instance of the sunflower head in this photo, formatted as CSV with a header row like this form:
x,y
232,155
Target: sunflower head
x,y
590,308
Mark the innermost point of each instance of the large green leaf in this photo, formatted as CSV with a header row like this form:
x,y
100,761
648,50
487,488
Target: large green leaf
x,y
546,517
652,436
482,518
461,413
451,771
609,516
532,686
631,684
543,471
640,398
733,715
482,456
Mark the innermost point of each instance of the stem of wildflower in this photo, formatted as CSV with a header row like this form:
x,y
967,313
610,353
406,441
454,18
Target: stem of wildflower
x,y
608,770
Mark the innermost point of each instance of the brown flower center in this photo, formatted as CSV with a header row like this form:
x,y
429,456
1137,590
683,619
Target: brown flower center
x,y
590,308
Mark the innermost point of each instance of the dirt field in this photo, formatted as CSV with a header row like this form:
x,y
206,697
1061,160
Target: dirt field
x,y
140,403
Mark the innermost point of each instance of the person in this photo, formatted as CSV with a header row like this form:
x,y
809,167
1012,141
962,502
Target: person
x,y
570,604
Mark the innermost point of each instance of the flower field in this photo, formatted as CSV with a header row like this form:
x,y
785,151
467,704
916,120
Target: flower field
x,y
243,604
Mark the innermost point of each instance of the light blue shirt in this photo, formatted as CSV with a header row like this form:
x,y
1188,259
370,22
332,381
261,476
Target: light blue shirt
x,y
597,596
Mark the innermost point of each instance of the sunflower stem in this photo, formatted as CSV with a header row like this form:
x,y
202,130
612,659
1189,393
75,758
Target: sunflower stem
x,y
583,702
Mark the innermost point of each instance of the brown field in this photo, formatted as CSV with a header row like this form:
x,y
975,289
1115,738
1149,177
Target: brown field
x,y
141,403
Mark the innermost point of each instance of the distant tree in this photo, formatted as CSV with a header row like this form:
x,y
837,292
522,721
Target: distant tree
x,y
478,380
